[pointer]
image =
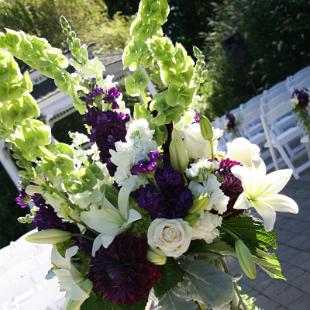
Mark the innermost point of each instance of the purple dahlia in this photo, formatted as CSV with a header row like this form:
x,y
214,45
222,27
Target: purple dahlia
x,y
231,186
172,198
108,127
121,273
302,97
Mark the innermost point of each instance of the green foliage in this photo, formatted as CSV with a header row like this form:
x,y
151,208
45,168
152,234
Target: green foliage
x,y
170,301
172,69
270,264
170,275
274,33
303,117
207,284
95,302
89,18
250,230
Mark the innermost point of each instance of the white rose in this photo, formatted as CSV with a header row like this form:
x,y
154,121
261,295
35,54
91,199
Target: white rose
x,y
206,227
242,150
196,145
173,237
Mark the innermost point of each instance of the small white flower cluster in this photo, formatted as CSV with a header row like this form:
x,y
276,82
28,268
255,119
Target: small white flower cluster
x,y
139,143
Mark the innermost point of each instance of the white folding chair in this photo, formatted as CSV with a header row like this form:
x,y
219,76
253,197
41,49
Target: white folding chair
x,y
299,80
285,140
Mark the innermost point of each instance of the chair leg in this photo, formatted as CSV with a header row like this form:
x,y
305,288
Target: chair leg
x,y
287,161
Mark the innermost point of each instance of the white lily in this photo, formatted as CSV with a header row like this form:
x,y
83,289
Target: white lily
x,y
70,279
261,191
109,221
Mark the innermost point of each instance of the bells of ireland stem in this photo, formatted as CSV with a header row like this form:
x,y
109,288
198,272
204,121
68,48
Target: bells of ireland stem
x,y
245,259
49,236
178,155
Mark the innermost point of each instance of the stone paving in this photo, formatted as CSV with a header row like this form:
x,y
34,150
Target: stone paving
x,y
294,252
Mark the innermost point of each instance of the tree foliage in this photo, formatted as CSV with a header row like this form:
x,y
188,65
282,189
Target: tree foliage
x,y
275,33
89,18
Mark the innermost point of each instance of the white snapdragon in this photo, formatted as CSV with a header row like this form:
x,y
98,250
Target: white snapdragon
x,y
139,143
206,227
201,169
205,183
173,237
242,150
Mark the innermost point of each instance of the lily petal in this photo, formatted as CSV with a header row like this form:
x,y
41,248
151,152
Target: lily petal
x,y
244,175
133,216
281,203
242,202
267,213
277,180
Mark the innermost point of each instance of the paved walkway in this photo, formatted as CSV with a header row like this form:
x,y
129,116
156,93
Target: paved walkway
x,y
294,252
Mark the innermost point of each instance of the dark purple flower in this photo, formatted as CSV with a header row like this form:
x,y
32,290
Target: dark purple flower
x,y
173,199
146,165
302,97
46,217
231,124
121,273
108,127
91,96
111,95
231,186
22,199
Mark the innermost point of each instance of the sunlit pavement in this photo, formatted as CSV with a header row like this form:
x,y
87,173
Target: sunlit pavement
x,y
294,252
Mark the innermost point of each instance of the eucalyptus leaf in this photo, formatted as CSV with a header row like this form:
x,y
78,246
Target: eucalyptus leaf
x,y
213,286
172,302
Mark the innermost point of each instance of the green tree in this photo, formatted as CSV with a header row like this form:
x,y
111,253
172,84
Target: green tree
x,y
89,18
276,34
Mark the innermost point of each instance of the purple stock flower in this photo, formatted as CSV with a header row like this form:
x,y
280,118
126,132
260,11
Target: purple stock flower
x,y
90,97
108,127
111,95
46,217
147,165
172,200
22,199
302,97
121,273
231,186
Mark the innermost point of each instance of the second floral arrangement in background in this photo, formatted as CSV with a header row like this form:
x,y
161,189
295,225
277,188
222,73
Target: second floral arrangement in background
x,y
150,212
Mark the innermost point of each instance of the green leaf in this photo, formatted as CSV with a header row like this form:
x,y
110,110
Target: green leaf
x,y
214,287
218,247
172,302
95,302
251,231
270,264
171,274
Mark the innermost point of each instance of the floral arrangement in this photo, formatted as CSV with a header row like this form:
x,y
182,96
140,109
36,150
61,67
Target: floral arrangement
x,y
300,106
152,210
231,124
